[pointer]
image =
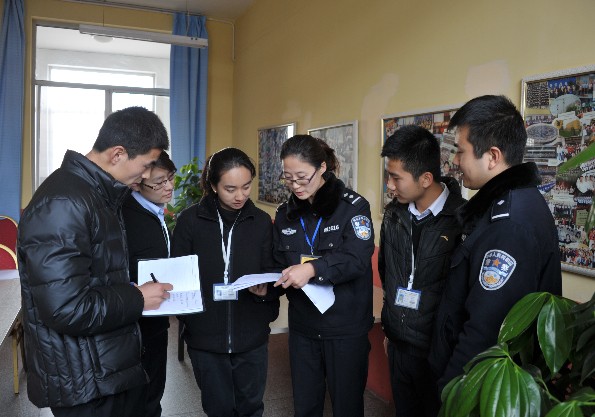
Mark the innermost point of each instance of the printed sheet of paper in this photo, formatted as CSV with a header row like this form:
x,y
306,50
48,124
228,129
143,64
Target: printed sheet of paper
x,y
254,279
182,273
322,296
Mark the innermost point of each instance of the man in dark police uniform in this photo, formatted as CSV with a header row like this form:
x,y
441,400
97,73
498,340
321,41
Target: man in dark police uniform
x,y
510,245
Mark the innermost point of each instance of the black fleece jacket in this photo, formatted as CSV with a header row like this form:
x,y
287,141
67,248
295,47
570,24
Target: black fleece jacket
x,y
227,326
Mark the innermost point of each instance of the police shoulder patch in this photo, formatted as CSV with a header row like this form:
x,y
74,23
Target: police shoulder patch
x,y
496,269
362,227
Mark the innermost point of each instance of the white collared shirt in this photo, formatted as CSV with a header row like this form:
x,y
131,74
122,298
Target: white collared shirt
x,y
435,208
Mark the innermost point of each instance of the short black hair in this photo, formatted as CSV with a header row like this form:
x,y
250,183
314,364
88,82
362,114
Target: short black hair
x,y
164,162
136,129
493,121
416,148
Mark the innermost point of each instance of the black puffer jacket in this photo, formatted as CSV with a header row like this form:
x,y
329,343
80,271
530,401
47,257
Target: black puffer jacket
x,y
345,242
412,329
79,310
227,326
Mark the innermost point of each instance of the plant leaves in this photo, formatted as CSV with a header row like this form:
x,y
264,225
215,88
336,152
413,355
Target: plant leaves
x,y
566,409
496,351
530,395
521,315
584,395
448,396
585,337
588,366
499,395
555,337
467,397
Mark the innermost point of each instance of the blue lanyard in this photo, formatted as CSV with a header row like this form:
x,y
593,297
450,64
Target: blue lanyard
x,y
311,244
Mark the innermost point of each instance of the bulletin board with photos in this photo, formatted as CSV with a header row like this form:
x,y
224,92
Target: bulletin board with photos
x,y
436,121
559,113
270,141
343,139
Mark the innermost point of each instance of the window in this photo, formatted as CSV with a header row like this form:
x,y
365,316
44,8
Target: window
x,y
77,87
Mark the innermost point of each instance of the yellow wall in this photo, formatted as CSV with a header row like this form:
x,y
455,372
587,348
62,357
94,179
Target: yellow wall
x,y
220,85
324,62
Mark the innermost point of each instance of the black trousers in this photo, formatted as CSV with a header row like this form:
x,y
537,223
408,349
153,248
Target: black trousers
x,y
342,364
413,384
116,405
147,400
231,384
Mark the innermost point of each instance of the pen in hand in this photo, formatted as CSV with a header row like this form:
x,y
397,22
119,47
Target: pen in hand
x,y
153,278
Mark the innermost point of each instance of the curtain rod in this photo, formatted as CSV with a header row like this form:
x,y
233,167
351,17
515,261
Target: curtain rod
x,y
161,10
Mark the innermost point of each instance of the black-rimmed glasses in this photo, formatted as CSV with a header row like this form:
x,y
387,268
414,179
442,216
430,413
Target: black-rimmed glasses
x,y
300,181
160,185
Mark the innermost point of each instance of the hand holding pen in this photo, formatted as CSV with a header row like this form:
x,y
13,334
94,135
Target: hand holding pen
x,y
154,293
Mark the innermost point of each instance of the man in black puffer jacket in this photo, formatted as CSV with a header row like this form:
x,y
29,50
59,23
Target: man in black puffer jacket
x,y
418,235
80,312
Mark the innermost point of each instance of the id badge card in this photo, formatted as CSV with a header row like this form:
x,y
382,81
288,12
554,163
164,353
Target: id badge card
x,y
222,292
308,258
408,298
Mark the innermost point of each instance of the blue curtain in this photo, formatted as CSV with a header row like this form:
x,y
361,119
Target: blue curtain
x,y
12,70
188,92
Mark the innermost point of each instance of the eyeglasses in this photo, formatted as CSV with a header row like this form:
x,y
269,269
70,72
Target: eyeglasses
x,y
160,185
300,181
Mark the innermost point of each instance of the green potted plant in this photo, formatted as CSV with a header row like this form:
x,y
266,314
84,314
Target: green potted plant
x,y
543,364
188,191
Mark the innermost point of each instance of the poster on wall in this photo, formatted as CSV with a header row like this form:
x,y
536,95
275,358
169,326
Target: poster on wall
x,y
436,121
559,113
270,140
343,139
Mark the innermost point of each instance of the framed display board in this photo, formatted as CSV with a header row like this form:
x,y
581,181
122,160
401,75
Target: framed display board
x,y
558,109
436,121
343,139
270,140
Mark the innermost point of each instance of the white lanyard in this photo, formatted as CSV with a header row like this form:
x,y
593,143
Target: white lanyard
x,y
412,275
226,253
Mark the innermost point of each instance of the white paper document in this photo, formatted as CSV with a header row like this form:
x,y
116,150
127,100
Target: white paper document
x,y
182,272
254,279
323,296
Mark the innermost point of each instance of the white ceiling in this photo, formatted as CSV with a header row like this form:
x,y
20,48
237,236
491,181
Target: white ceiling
x,y
222,9
72,40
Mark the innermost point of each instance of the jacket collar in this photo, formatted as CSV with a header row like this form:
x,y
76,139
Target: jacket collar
x,y
518,176
325,201
207,208
453,202
113,191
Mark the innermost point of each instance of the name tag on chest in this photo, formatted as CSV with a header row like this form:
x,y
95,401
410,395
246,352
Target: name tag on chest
x,y
408,298
222,292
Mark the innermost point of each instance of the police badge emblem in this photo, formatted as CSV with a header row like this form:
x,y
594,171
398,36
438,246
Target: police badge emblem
x,y
497,267
289,231
362,227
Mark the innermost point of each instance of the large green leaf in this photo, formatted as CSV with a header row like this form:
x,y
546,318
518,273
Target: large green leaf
x,y
585,337
499,395
521,315
566,409
496,351
530,395
588,366
449,395
555,337
467,397
584,395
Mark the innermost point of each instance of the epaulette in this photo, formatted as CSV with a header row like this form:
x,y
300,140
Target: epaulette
x,y
280,205
352,197
501,208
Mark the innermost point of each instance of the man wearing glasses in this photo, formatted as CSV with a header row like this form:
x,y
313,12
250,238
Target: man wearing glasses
x,y
147,236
